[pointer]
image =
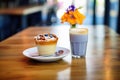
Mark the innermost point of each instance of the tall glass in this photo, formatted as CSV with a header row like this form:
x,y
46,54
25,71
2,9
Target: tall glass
x,y
78,41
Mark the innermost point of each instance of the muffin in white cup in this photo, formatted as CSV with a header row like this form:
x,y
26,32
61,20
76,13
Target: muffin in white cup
x,y
46,44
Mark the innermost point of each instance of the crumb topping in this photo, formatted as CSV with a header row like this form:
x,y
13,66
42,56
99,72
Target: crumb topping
x,y
46,37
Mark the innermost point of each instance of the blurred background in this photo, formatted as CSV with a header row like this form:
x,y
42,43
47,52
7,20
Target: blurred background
x,y
16,15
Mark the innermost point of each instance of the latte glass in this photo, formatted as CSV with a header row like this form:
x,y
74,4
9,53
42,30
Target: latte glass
x,y
78,41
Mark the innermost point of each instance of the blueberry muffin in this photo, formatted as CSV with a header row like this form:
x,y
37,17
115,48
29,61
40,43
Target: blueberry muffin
x,y
46,44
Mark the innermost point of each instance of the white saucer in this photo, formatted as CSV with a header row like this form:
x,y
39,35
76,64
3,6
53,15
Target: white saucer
x,y
32,53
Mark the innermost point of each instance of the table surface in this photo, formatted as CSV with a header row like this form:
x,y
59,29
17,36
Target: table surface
x,y
24,10
102,61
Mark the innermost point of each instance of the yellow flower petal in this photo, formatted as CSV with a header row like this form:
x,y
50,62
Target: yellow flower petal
x,y
79,17
73,17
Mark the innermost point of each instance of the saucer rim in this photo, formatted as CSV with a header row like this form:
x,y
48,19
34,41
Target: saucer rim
x,y
47,58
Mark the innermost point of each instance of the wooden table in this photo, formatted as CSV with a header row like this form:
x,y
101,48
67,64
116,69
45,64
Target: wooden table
x,y
23,12
102,60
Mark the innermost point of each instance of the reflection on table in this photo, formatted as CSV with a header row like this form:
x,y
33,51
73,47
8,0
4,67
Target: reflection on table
x,y
102,60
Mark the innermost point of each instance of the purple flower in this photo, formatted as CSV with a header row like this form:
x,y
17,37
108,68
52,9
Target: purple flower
x,y
70,8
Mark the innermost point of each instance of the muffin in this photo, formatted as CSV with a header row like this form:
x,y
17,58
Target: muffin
x,y
46,44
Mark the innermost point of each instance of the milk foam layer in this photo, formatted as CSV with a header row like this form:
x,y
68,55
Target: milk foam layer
x,y
79,31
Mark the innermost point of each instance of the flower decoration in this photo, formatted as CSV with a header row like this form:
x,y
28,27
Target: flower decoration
x,y
73,16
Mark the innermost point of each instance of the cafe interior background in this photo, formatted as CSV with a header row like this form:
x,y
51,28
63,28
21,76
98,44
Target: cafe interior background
x,y
97,12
